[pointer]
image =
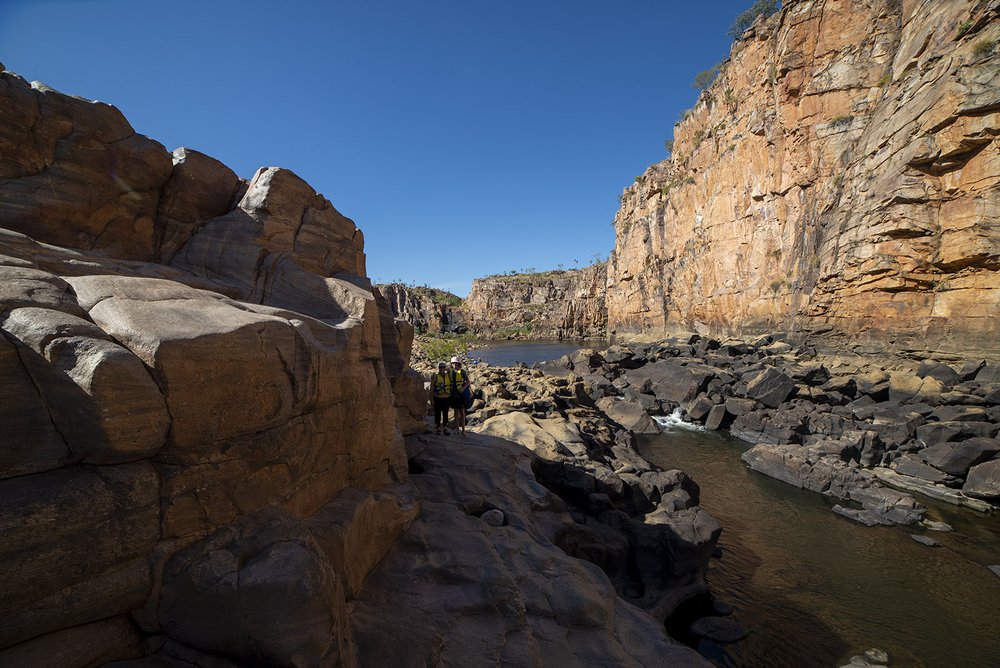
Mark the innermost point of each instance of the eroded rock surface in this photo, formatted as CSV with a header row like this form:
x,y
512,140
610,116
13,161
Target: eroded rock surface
x,y
840,178
200,401
561,304
496,595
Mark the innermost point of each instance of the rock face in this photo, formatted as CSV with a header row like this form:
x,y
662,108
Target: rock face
x,y
841,177
550,305
459,588
202,459
199,389
427,309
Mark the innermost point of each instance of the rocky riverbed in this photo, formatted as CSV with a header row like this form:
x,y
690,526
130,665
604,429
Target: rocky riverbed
x,y
869,431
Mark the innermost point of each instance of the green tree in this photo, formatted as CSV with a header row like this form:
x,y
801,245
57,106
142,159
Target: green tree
x,y
759,8
704,79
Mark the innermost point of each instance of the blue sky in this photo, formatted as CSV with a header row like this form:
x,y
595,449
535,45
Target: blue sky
x,y
464,138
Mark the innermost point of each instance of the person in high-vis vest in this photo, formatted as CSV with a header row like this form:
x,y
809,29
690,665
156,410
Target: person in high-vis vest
x,y
441,386
462,394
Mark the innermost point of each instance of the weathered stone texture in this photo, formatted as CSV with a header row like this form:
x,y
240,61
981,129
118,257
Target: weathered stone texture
x,y
158,417
841,177
551,305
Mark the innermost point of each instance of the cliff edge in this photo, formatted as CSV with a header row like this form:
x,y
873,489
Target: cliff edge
x,y
840,178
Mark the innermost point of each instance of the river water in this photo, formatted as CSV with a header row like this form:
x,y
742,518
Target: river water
x,y
509,353
814,588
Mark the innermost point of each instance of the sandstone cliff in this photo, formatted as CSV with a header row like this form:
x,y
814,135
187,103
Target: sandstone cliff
x,y
202,399
197,397
841,177
549,305
429,310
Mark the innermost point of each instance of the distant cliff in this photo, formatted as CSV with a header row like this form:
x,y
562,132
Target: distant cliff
x,y
840,178
427,309
548,305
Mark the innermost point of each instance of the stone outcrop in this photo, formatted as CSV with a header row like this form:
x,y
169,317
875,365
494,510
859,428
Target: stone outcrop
x,y
852,427
204,403
201,456
429,310
549,305
840,178
479,576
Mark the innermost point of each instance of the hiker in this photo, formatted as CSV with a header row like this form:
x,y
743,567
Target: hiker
x,y
461,392
441,396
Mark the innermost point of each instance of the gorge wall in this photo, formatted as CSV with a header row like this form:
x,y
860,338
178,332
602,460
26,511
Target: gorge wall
x,y
201,396
841,178
202,461
549,305
427,309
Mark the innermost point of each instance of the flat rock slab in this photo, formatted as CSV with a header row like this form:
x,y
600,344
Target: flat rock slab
x,y
925,540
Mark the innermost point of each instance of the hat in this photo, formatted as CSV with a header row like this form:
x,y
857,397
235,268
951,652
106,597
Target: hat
x,y
455,359
442,363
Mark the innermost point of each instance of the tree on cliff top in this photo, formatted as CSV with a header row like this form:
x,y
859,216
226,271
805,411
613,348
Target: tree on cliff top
x,y
759,8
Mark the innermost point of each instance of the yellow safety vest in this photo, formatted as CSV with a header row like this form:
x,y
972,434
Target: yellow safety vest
x,y
442,385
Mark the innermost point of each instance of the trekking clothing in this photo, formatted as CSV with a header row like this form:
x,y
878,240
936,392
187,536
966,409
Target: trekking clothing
x,y
443,385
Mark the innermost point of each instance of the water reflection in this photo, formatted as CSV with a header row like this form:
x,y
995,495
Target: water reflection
x,y
815,588
509,353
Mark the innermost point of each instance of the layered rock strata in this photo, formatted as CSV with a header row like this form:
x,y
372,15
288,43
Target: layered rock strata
x,y
201,454
429,310
549,305
840,178
202,462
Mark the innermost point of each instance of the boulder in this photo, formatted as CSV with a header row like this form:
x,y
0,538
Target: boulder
x,y
910,465
956,459
259,590
770,387
672,380
630,415
983,481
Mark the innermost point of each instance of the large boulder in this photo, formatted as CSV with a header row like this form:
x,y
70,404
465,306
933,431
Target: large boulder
x,y
983,481
628,414
957,458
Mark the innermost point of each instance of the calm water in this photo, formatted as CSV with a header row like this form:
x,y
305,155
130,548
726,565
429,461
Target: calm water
x,y
815,588
509,353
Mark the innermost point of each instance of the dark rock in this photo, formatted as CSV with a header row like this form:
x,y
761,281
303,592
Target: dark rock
x,y
970,368
910,465
717,417
959,414
933,433
770,387
699,408
781,426
867,517
719,629
989,373
957,459
845,385
672,380
721,608
983,481
736,406
664,482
